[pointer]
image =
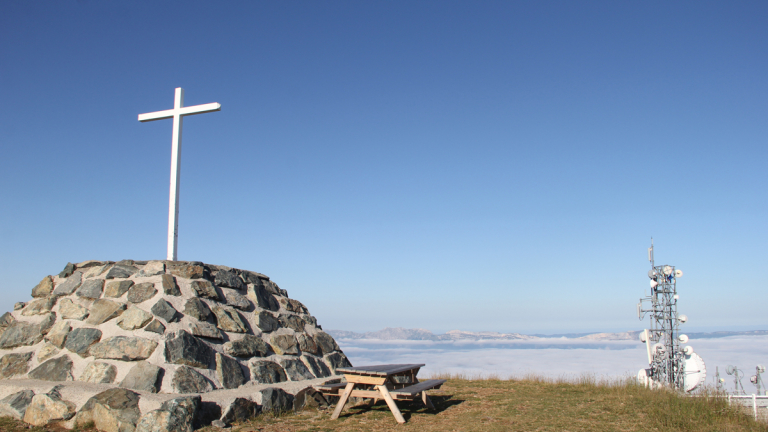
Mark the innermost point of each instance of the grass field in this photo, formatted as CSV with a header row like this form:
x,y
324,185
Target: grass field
x,y
531,404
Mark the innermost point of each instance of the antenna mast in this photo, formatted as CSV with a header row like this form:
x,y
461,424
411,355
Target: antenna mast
x,y
670,364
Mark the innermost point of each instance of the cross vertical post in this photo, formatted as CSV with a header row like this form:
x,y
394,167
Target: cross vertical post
x,y
177,113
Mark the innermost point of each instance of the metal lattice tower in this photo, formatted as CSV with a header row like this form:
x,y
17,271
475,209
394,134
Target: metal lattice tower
x,y
666,356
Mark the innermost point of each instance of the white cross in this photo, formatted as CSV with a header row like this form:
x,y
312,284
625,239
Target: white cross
x,y
178,112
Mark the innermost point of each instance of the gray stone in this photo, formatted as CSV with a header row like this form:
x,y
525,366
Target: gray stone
x,y
45,324
114,410
70,310
68,269
39,306
306,343
19,305
296,370
188,380
47,351
92,263
133,318
229,320
253,277
276,400
20,333
14,364
208,413
103,310
96,270
228,372
184,349
293,305
175,415
266,322
293,322
229,279
205,329
248,346
185,270
267,372
80,339
56,369
69,285
15,405
155,327
91,288
239,410
57,336
265,300
197,309
284,344
152,268
142,292
6,319
309,398
326,342
143,377
169,285
204,288
119,271
99,373
47,408
317,366
337,360
116,288
123,348
44,288
236,300
163,309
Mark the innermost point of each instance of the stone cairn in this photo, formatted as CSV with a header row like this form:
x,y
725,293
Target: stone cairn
x,y
194,343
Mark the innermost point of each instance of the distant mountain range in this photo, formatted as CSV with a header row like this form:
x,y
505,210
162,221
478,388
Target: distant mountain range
x,y
400,333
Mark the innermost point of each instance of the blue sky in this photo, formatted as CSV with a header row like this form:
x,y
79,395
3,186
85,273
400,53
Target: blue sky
x,y
444,165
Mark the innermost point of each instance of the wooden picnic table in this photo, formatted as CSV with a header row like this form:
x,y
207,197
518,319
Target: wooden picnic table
x,y
389,382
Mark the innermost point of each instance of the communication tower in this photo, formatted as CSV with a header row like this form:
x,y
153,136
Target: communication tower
x,y
669,363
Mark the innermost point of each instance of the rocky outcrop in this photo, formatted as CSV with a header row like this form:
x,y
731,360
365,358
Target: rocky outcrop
x,y
149,328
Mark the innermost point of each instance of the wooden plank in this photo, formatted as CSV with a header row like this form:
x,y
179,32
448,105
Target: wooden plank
x,y
391,404
358,379
427,401
379,370
342,401
418,388
375,394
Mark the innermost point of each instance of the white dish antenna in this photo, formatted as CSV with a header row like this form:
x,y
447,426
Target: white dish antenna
x,y
651,274
667,270
688,350
654,284
695,371
730,369
678,273
643,338
682,319
683,338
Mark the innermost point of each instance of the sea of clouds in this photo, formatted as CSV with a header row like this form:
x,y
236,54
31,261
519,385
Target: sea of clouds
x,y
553,358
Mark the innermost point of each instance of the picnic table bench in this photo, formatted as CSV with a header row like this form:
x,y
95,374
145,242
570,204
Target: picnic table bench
x,y
389,382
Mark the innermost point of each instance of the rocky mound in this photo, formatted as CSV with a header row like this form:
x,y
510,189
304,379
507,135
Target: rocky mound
x,y
113,333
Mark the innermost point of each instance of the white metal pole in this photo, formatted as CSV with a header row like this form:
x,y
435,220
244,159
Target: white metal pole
x,y
173,202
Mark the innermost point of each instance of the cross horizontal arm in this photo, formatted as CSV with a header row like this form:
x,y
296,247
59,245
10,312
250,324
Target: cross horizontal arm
x,y
185,111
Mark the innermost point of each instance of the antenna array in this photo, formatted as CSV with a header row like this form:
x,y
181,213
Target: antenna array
x,y
670,363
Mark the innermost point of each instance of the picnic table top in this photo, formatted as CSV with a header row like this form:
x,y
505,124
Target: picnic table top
x,y
379,370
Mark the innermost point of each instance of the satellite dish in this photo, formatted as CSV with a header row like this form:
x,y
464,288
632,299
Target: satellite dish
x,y
761,368
730,370
676,297
678,273
753,379
683,338
667,270
695,371
654,284
652,273
642,337
682,319
688,350
643,376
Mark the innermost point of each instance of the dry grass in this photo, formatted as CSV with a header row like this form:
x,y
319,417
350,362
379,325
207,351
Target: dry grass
x,y
523,404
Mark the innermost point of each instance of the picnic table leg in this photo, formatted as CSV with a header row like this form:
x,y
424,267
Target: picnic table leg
x,y
391,403
427,401
342,400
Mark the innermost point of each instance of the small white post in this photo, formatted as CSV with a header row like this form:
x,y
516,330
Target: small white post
x,y
177,113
